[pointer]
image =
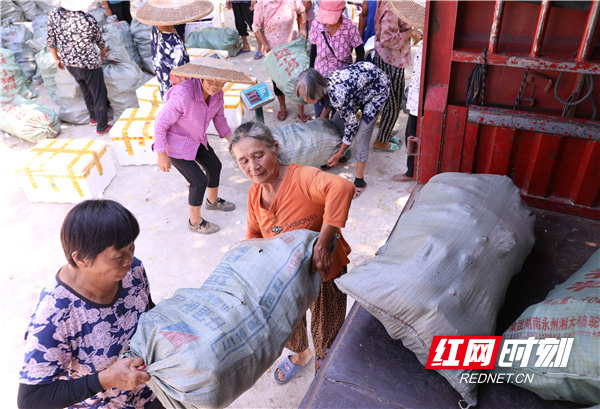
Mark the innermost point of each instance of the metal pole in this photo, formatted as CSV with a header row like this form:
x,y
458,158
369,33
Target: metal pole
x,y
258,112
496,23
540,29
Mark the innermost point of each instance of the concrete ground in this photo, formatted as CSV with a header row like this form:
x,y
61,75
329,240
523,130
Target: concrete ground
x,y
174,257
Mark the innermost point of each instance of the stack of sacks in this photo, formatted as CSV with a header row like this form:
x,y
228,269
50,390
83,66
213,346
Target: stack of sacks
x,y
446,266
14,38
66,170
12,79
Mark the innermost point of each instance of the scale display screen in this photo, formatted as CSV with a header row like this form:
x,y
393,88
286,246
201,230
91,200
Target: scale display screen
x,y
257,96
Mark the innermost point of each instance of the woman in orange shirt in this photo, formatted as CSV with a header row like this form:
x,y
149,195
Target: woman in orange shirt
x,y
287,197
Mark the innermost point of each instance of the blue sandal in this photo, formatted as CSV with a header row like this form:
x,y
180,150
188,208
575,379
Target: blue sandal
x,y
258,55
288,369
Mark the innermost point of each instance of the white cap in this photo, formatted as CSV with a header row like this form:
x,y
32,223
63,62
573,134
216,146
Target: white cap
x,y
76,5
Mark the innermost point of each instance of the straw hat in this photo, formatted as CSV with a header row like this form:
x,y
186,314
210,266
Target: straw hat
x,y
171,12
213,69
76,5
411,12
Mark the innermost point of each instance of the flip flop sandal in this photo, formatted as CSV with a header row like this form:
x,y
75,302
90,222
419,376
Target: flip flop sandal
x,y
282,114
258,56
304,118
395,140
244,51
393,147
402,178
288,369
358,191
346,157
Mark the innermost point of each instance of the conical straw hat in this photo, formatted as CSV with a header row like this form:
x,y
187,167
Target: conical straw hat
x,y
171,12
213,69
411,12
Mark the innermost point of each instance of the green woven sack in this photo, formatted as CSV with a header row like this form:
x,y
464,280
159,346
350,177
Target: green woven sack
x,y
12,79
285,63
571,310
213,38
29,120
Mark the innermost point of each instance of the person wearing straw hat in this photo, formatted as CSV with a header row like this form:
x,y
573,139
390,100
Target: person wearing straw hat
x,y
73,36
180,133
168,49
277,22
392,47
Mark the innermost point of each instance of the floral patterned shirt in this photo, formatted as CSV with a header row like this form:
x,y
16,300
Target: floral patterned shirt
x,y
70,336
359,86
277,20
74,35
168,52
392,41
345,39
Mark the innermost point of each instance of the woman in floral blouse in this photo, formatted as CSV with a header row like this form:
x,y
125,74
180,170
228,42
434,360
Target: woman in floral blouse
x,y
168,49
86,315
277,22
361,86
333,37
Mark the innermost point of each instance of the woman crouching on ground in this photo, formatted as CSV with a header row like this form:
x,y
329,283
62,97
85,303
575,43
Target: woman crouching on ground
x,y
86,315
287,197
180,133
360,86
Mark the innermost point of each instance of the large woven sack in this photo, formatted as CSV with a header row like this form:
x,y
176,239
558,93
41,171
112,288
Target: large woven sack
x,y
30,8
205,346
97,11
12,79
39,26
123,29
447,264
122,75
71,105
214,38
142,36
14,38
311,143
9,11
571,310
285,63
48,5
29,120
45,62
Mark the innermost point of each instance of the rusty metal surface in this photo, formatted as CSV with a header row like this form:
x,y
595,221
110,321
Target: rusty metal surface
x,y
539,63
496,24
534,122
554,160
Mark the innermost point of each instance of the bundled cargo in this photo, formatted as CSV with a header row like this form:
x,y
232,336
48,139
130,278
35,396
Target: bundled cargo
x,y
71,105
447,264
66,170
133,136
14,38
142,37
10,12
311,143
48,5
29,120
213,38
123,29
285,63
12,79
30,8
205,346
564,362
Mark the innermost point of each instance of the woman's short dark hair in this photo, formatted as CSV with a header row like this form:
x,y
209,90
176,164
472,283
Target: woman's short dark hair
x,y
260,132
95,225
311,83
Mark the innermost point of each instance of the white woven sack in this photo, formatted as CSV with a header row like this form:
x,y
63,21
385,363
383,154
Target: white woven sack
x,y
309,144
446,267
205,346
71,105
